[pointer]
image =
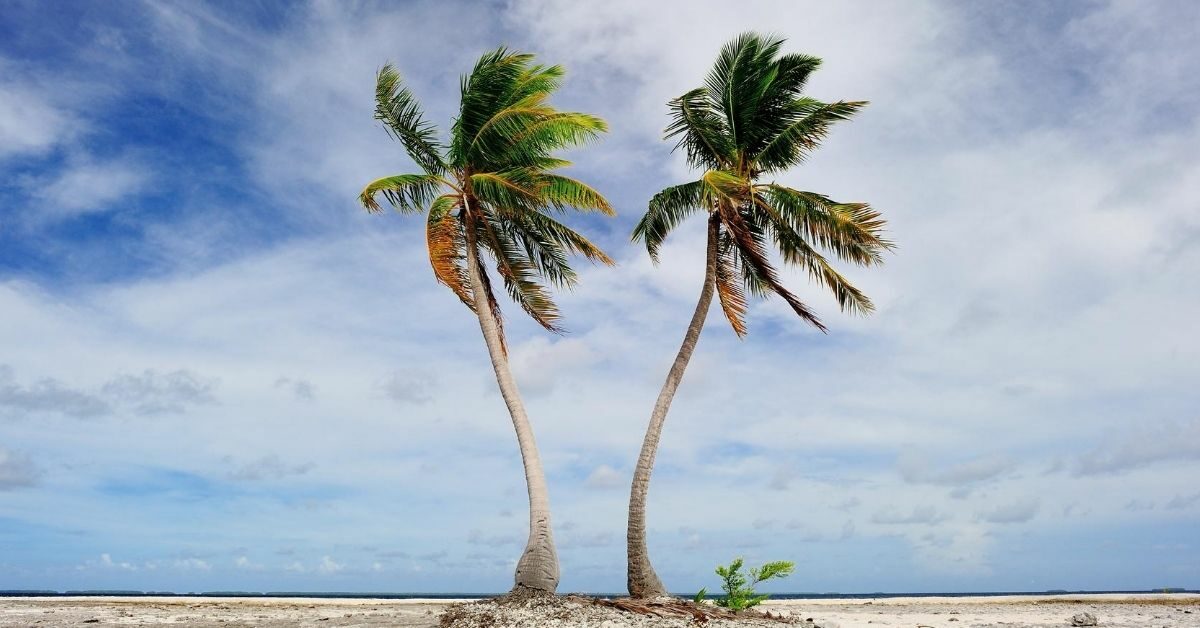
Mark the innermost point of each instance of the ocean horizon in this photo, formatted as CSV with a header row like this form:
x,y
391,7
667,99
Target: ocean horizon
x,y
460,595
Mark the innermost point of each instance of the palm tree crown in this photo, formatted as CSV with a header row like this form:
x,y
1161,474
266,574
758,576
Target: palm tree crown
x,y
492,187
751,120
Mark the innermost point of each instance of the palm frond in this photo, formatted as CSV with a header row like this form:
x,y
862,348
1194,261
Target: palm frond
x,y
401,115
702,133
791,145
795,250
446,241
851,231
408,193
489,88
562,236
562,192
753,257
508,191
730,292
520,275
667,209
529,144
740,76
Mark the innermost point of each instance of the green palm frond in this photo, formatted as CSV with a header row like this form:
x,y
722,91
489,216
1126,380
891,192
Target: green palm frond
x,y
557,131
703,134
851,231
488,89
795,250
667,209
562,192
408,193
563,237
740,77
791,145
519,273
401,115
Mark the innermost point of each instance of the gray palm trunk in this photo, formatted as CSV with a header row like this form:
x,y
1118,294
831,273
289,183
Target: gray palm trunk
x,y
643,582
538,566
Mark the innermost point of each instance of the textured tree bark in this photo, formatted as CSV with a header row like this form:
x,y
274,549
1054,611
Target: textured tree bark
x,y
538,566
643,582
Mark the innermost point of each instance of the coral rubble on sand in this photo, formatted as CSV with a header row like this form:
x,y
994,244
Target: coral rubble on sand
x,y
571,611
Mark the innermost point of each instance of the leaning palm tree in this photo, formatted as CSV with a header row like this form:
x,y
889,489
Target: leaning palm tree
x,y
749,121
491,192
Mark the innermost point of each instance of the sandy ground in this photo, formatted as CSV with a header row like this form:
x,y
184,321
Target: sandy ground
x,y
1132,611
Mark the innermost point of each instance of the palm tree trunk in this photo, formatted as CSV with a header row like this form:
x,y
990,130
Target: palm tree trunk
x,y
643,582
538,566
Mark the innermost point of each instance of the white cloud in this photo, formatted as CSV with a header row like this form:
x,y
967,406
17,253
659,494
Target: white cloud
x,y
197,564
87,186
30,123
605,477
329,566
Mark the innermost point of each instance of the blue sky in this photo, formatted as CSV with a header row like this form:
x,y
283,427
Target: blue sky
x,y
216,372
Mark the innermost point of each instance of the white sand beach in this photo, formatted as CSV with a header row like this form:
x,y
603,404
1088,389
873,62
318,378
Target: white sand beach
x,y
1115,610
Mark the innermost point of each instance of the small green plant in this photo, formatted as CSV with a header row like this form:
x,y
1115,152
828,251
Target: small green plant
x,y
739,592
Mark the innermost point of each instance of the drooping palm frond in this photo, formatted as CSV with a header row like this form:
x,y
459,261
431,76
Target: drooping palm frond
x,y
519,273
398,109
408,193
730,292
447,247
754,260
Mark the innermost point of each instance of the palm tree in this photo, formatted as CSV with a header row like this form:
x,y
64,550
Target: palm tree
x,y
491,192
750,120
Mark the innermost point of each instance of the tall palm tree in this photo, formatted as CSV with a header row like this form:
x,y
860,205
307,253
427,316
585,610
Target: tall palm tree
x,y
491,191
749,121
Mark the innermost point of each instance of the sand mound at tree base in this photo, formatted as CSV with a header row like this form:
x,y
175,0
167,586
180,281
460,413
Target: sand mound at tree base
x,y
527,609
